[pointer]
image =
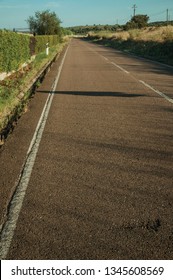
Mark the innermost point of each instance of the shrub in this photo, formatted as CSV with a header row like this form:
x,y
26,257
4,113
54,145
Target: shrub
x,y
42,40
14,50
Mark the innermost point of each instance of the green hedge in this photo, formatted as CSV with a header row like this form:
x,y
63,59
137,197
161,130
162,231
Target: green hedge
x,y
42,40
14,50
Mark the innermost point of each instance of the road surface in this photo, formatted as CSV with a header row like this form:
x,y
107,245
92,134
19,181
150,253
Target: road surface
x,y
88,171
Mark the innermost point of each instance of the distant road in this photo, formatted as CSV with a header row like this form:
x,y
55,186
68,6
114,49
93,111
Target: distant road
x,y
89,167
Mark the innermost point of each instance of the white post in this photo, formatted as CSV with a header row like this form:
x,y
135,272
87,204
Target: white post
x,y
47,49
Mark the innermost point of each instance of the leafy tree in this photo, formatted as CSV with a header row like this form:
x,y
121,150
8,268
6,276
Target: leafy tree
x,y
138,21
44,23
66,31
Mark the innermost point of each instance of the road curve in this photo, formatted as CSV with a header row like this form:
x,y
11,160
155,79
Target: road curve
x,y
99,181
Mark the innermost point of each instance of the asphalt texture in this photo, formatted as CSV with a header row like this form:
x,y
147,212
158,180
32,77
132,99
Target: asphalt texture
x,y
102,182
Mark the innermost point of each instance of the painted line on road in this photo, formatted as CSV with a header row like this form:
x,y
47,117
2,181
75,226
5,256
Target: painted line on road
x,y
107,59
144,83
16,202
157,91
122,69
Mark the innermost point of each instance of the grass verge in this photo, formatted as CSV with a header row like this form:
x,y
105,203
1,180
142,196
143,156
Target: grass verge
x,y
153,42
15,90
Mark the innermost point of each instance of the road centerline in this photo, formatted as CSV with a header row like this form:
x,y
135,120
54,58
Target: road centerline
x,y
121,68
136,79
109,61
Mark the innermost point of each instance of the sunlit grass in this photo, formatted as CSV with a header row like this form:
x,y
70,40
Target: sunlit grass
x,y
152,42
156,34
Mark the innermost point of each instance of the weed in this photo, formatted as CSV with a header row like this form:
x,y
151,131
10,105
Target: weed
x,y
134,34
168,34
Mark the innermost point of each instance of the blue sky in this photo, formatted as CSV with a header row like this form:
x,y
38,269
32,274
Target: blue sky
x,y
13,13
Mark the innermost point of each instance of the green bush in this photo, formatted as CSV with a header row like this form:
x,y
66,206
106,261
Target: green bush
x,y
42,40
14,50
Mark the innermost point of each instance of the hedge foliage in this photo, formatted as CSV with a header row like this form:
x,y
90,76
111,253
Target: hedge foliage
x,y
14,50
42,40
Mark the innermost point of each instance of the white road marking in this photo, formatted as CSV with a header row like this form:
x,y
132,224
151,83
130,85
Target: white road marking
x,y
107,59
157,91
122,69
145,84
18,197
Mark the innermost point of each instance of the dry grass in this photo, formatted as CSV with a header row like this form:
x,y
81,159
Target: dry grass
x,y
152,42
156,34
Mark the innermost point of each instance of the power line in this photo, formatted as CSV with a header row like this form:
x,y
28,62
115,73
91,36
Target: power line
x,y
166,13
157,14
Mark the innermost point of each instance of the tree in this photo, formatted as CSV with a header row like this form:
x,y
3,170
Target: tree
x,y
138,21
44,23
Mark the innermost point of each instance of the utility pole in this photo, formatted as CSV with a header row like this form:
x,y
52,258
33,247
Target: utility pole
x,y
167,16
134,9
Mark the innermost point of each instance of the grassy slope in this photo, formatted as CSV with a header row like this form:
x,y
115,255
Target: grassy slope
x,y
152,42
156,34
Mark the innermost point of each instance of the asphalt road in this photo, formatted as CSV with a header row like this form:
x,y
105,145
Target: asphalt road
x,y
97,181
